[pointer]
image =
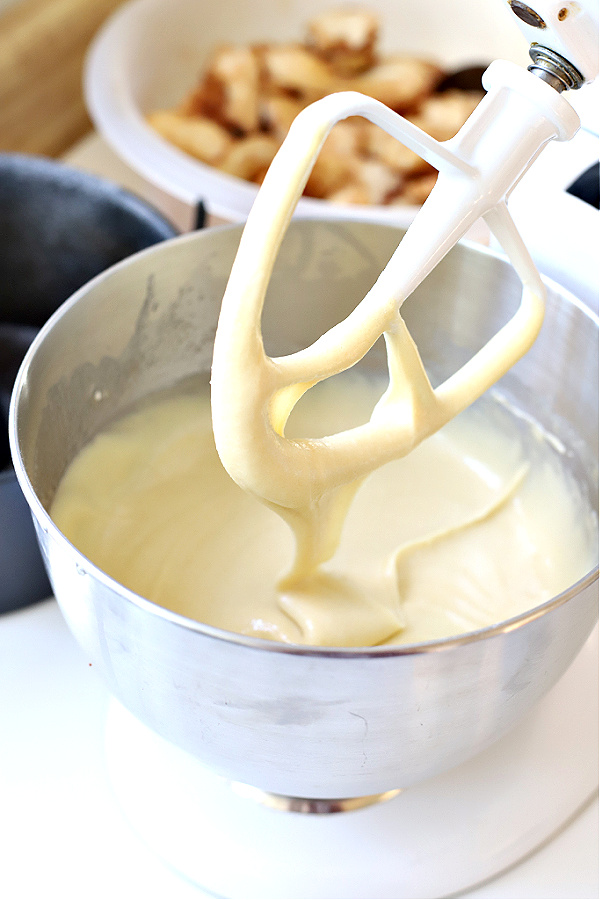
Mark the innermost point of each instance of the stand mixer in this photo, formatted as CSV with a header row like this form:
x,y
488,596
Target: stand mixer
x,y
167,789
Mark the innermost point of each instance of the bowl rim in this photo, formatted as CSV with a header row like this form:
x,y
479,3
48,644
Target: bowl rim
x,y
44,521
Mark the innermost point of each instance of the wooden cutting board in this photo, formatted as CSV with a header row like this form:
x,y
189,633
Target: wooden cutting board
x,y
42,49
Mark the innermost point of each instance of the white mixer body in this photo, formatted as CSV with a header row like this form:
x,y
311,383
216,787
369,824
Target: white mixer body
x,y
570,29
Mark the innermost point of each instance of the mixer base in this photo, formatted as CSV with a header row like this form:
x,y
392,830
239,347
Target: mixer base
x,y
309,805
434,839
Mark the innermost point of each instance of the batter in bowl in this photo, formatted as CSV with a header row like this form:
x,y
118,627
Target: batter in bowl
x,y
456,536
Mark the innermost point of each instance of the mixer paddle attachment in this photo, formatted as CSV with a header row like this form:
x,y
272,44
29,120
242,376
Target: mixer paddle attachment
x,y
311,482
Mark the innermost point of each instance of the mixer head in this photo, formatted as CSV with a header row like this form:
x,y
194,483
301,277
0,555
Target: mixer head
x,y
563,38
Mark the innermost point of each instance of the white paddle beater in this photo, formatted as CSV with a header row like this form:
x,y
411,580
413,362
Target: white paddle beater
x,y
521,112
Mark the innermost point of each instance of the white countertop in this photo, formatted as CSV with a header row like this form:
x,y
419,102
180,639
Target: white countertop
x,y
61,831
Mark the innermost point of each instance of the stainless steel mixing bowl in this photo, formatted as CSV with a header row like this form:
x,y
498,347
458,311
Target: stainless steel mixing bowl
x,y
299,721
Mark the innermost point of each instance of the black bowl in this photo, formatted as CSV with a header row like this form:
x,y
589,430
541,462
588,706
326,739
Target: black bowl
x,y
59,227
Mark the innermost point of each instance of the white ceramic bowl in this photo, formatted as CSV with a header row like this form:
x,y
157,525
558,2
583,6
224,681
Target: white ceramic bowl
x,y
150,53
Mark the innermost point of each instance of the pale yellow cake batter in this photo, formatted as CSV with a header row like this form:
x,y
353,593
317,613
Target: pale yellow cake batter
x,y
457,535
